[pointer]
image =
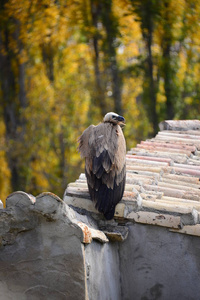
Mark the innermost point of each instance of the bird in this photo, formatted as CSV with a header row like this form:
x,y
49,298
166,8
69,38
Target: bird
x,y
104,148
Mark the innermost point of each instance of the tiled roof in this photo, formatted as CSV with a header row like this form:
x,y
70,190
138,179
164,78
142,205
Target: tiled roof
x,y
162,183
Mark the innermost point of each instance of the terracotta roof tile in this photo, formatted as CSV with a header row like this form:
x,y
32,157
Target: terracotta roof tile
x,y
162,186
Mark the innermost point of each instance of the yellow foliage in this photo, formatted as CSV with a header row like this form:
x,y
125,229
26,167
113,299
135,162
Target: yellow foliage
x,y
131,37
57,36
5,175
188,100
161,98
4,178
183,66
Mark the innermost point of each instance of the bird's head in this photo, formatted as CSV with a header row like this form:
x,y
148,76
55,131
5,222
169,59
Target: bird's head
x,y
114,118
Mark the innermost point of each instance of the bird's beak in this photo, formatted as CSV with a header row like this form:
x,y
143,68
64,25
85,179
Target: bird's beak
x,y
121,120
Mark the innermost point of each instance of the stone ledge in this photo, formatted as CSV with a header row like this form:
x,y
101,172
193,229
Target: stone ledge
x,y
20,199
152,218
191,230
22,212
180,125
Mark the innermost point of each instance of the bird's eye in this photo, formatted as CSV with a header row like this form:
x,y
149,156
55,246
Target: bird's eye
x,y
113,116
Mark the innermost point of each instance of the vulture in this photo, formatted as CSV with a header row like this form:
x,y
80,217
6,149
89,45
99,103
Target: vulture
x,y
104,149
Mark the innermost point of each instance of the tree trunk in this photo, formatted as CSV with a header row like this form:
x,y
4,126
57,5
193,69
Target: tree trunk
x,y
167,69
48,59
148,12
111,34
167,82
12,102
63,160
152,90
100,89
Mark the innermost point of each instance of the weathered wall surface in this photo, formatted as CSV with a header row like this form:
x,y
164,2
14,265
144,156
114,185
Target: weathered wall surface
x,y
44,255
103,271
41,256
158,264
152,263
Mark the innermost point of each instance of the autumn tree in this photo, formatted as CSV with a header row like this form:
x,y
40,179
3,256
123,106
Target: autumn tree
x,y
189,72
65,64
110,45
13,99
148,13
38,101
170,35
100,27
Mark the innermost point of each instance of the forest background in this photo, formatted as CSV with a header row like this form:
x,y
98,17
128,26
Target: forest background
x,y
65,63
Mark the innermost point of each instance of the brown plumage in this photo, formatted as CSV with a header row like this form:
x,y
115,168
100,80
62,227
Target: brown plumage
x,y
104,149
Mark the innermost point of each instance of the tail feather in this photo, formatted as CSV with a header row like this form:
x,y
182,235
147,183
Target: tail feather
x,y
110,214
105,198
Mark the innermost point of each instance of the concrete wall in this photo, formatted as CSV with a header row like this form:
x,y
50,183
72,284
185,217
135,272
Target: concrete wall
x,y
152,263
42,257
103,271
158,264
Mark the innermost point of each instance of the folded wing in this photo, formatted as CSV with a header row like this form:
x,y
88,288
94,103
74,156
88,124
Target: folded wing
x,y
104,149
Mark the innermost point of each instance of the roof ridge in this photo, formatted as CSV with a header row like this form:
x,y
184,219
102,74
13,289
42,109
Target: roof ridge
x,y
162,186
